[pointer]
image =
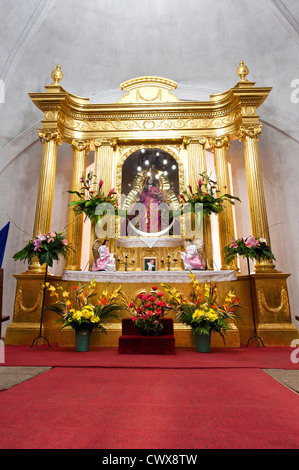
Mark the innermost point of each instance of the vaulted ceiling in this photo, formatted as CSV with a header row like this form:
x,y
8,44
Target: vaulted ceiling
x,y
101,43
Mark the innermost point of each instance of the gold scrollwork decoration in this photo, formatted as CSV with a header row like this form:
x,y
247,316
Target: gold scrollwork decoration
x,y
249,131
46,135
219,142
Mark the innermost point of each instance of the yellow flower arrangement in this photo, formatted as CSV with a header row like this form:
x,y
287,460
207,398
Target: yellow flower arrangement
x,y
78,312
201,311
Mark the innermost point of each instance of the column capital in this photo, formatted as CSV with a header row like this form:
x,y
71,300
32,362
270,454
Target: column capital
x,y
108,142
46,135
194,140
252,131
80,145
219,142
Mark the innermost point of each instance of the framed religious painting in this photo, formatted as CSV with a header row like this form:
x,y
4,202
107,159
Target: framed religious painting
x,y
150,263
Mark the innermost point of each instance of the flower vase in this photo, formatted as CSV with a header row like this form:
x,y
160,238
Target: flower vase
x,y
203,343
82,339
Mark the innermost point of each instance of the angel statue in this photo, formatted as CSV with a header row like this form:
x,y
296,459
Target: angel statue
x,y
103,259
193,256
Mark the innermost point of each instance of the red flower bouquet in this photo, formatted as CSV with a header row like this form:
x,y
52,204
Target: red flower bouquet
x,y
148,310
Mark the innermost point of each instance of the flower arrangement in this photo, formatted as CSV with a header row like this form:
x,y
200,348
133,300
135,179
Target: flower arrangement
x,y
47,247
202,312
207,194
148,310
89,198
77,311
250,247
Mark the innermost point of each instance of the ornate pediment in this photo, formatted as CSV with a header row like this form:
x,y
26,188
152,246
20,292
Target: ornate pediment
x,y
149,90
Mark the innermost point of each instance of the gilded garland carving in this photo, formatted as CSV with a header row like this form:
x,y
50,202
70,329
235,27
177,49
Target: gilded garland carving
x,y
20,307
283,309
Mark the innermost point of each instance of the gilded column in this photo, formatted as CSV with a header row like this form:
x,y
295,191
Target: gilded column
x,y
219,146
197,163
256,196
104,169
80,149
104,162
43,213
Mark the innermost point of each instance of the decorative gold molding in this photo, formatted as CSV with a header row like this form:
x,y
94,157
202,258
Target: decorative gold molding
x,y
249,131
219,142
282,310
46,135
20,308
80,145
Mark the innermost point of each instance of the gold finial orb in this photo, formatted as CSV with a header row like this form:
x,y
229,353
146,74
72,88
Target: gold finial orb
x,y
242,71
57,74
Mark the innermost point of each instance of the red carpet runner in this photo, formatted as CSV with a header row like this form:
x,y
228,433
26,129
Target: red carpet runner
x,y
264,358
122,408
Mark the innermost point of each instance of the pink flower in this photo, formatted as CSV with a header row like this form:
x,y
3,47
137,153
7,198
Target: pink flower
x,y
154,288
233,243
50,240
152,298
158,311
200,183
134,319
144,297
251,241
160,294
162,304
131,305
52,234
190,188
112,191
65,242
150,313
101,184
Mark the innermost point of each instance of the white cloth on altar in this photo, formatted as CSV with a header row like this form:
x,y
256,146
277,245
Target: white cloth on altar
x,y
127,277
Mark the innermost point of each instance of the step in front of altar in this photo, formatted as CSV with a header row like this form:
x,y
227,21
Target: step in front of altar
x,y
132,341
184,338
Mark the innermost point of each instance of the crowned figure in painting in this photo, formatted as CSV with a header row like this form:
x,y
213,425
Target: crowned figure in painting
x,y
151,196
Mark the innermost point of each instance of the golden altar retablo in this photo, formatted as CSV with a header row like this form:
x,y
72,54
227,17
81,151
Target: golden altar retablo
x,y
150,117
